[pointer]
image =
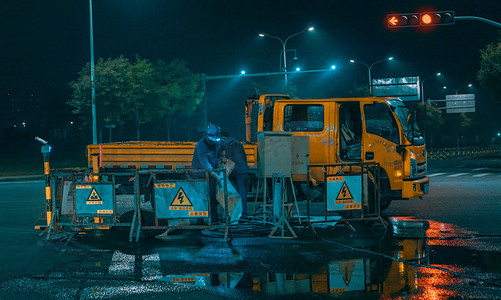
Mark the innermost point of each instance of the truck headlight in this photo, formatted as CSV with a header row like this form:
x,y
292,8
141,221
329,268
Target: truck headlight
x,y
413,158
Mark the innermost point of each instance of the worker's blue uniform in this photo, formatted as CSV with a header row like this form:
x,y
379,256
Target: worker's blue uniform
x,y
239,178
205,157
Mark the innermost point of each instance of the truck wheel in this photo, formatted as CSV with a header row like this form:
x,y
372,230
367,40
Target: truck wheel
x,y
384,191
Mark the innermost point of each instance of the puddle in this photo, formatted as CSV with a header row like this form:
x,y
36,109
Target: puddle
x,y
421,260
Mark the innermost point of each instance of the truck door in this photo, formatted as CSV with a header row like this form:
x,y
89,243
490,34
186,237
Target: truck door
x,y
381,138
350,131
309,119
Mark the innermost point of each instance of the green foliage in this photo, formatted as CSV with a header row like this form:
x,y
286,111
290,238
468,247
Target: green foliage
x,y
111,86
490,68
178,91
430,119
362,91
140,91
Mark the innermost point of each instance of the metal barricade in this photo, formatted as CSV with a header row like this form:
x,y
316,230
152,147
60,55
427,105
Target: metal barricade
x,y
349,190
143,201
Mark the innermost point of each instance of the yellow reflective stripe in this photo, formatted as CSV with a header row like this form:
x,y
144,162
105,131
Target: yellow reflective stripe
x,y
48,194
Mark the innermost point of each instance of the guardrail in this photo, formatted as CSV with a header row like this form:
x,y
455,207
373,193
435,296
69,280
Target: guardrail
x,y
448,153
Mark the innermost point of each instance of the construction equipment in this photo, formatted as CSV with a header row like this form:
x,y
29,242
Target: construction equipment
x,y
324,145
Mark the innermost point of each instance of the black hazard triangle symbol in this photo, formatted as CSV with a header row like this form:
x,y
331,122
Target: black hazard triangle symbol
x,y
344,193
181,199
347,270
94,196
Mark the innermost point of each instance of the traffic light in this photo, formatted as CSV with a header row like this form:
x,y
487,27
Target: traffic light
x,y
420,19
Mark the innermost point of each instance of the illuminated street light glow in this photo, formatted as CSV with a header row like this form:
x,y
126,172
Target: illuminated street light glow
x,y
284,49
333,67
422,85
469,85
298,69
370,67
242,72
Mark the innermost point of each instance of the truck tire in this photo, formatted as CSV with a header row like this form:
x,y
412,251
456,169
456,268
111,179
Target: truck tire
x,y
385,196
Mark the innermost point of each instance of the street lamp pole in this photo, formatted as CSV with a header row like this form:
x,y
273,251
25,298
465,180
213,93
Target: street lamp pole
x,y
422,85
93,87
369,68
284,50
469,85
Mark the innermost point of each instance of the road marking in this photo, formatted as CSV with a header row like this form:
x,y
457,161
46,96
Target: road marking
x,y
436,174
482,175
480,169
458,174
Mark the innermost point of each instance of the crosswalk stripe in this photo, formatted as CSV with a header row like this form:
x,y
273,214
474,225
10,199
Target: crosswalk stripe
x,y
458,174
480,169
481,175
436,174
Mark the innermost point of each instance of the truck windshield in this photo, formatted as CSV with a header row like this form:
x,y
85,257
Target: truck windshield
x,y
407,118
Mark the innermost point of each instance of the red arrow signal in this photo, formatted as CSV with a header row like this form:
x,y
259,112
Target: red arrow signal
x,y
393,21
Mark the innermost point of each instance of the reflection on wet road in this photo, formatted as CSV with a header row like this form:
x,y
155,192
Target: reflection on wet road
x,y
420,259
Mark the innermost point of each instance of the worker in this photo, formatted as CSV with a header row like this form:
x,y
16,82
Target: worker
x,y
207,149
205,157
233,150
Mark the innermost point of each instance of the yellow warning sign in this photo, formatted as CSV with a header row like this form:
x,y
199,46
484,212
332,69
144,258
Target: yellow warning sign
x,y
198,214
184,279
79,186
344,193
335,178
94,197
165,185
181,199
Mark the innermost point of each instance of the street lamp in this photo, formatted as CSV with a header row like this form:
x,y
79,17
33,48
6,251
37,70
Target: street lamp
x,y
422,85
93,87
284,50
369,68
469,85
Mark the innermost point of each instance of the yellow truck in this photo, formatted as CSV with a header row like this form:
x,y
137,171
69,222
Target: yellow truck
x,y
340,130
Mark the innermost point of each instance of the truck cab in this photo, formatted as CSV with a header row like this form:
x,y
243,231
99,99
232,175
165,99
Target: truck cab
x,y
343,130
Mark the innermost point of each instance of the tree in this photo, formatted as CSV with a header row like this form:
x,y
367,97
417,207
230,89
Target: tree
x,y
490,68
460,124
112,91
139,91
178,92
141,100
430,119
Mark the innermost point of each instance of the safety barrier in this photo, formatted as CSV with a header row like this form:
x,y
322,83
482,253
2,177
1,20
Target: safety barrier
x,y
449,153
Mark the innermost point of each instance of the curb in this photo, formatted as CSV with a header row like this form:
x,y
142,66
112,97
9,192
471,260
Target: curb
x,y
22,178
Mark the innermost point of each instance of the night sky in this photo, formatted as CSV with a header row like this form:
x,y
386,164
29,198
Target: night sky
x,y
46,43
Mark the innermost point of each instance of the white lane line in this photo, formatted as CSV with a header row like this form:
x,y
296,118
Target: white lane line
x,y
458,174
436,174
480,169
481,175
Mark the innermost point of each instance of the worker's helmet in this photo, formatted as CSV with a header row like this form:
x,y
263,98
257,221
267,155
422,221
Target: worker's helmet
x,y
213,133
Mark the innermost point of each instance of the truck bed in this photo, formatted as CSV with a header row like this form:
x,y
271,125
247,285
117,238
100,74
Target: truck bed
x,y
150,155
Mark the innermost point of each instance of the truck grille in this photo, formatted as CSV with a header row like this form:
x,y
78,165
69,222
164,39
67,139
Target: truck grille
x,y
421,169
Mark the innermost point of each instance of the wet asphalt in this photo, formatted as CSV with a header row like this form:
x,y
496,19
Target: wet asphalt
x,y
397,257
